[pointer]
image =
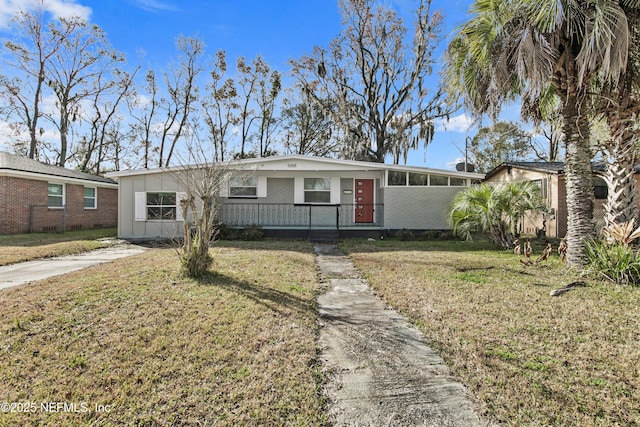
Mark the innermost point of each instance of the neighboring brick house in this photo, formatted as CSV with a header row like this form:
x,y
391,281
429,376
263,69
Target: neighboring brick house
x,y
36,197
551,179
298,196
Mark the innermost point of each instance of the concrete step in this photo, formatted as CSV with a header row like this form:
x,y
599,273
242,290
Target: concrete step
x,y
324,236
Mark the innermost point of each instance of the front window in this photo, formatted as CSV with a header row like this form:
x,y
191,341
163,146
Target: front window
x,y
317,190
161,206
397,178
457,182
542,185
439,180
90,198
56,195
243,186
418,179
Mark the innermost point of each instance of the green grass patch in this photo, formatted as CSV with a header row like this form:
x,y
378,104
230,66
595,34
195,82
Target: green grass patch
x,y
26,247
235,348
529,359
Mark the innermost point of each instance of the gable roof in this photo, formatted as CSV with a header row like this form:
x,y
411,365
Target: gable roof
x,y
20,164
319,163
547,167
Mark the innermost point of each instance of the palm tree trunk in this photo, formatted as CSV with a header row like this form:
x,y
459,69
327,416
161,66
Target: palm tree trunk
x,y
619,175
579,182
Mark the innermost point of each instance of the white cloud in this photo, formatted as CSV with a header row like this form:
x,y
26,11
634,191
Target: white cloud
x,y
57,8
460,123
155,6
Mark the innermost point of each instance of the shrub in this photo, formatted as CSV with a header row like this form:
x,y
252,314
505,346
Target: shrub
x,y
227,233
405,234
252,232
616,262
494,209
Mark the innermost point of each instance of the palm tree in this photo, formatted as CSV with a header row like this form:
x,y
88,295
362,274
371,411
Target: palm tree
x,y
495,209
541,51
620,106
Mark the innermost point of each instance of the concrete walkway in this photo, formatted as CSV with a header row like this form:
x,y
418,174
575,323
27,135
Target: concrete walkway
x,y
30,271
381,371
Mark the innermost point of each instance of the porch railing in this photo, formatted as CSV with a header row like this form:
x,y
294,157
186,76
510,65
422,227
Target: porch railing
x,y
301,215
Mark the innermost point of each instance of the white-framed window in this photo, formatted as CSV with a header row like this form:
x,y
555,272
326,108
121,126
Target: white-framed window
x,y
396,178
438,181
161,206
90,197
243,186
55,195
317,190
158,206
416,179
457,182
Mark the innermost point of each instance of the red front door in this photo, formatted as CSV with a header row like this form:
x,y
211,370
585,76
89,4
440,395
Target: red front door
x,y
364,200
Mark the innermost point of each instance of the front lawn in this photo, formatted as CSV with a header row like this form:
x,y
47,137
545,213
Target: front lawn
x,y
531,359
26,247
135,344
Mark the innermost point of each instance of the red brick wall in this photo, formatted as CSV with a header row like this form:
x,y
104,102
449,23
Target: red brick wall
x,y
24,202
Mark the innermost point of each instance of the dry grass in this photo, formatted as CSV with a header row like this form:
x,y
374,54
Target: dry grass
x,y
529,358
26,247
237,348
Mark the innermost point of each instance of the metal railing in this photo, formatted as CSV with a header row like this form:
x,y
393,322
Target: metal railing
x,y
287,215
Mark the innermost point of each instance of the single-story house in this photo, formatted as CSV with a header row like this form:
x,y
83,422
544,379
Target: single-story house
x,y
551,179
297,196
36,197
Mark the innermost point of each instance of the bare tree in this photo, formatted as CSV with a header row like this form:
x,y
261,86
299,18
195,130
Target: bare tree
x,y
143,108
80,70
105,107
269,87
308,127
29,54
182,91
202,181
376,81
220,106
247,82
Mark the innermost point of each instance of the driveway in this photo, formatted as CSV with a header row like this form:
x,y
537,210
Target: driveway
x,y
31,271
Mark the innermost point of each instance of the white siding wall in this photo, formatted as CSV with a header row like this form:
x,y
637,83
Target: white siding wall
x,y
128,227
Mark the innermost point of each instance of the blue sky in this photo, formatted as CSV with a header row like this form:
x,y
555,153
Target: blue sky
x,y
145,30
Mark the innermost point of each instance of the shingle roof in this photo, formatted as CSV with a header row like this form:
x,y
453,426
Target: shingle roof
x,y
548,167
24,164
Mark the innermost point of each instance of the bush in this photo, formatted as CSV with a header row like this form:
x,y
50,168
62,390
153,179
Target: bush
x,y
252,232
227,233
405,234
616,262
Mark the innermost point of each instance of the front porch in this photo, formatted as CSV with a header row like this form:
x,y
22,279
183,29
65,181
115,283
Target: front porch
x,y
326,221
